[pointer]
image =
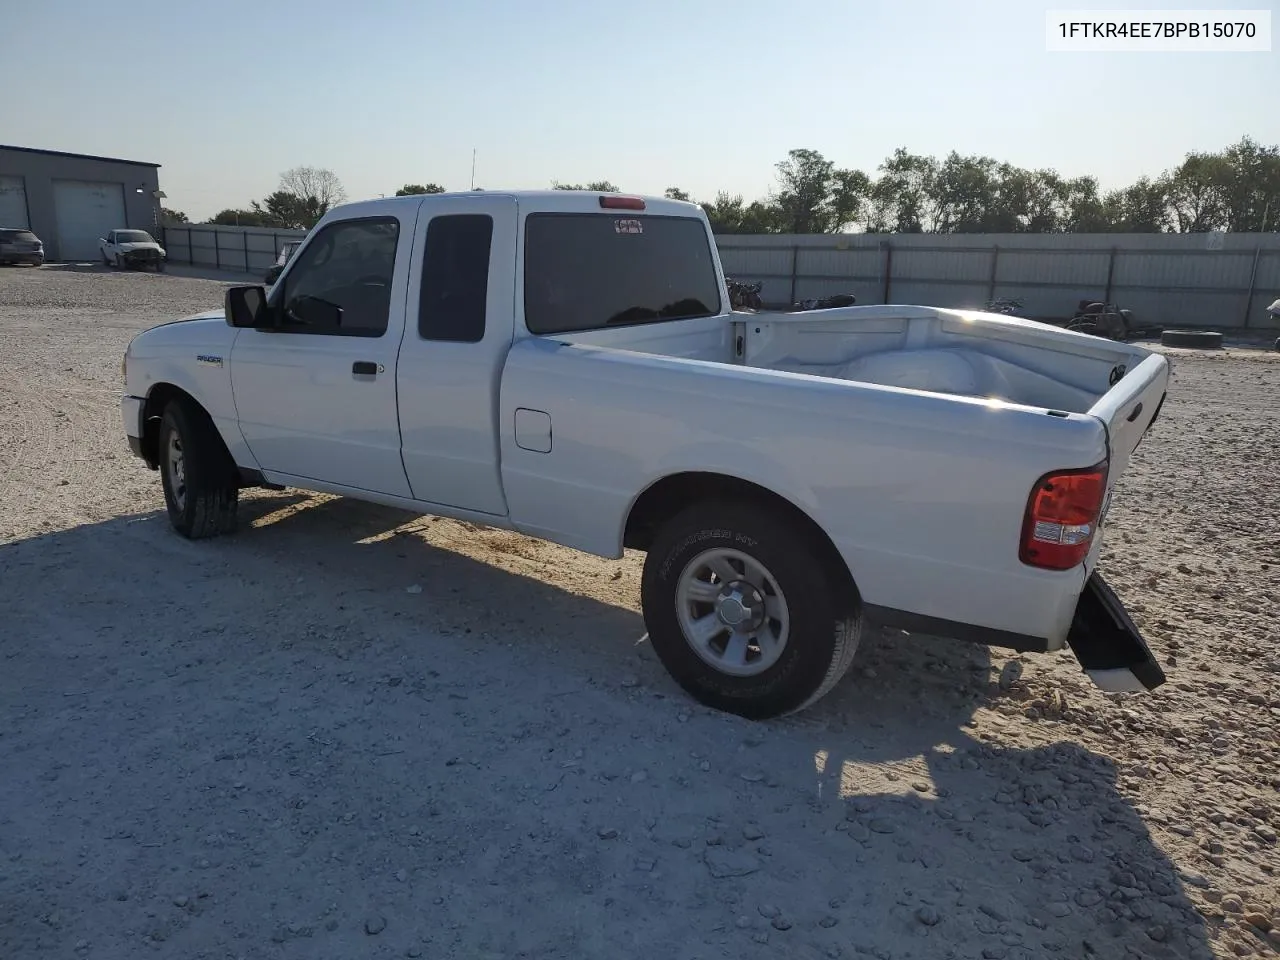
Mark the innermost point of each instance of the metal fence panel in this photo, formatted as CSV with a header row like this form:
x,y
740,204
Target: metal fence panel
x,y
1172,279
235,249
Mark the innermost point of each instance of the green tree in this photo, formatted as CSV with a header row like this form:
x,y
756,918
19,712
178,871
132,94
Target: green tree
x,y
173,216
413,189
1142,207
239,218
675,193
289,211
731,214
851,194
806,192
1198,193
304,196
902,198
965,196
1251,188
1039,198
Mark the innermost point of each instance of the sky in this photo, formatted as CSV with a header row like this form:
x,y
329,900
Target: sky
x,y
706,95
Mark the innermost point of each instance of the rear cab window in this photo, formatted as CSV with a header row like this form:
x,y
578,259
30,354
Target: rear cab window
x,y
455,278
587,271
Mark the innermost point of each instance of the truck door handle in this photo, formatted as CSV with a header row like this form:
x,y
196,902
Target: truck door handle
x,y
1136,411
365,367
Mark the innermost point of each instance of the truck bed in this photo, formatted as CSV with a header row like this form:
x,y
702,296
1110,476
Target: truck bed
x,y
954,352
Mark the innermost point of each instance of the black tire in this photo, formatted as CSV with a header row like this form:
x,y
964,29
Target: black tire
x,y
159,266
825,626
1196,339
1085,326
203,502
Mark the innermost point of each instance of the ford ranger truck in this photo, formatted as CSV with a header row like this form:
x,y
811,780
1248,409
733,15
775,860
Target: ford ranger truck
x,y
567,365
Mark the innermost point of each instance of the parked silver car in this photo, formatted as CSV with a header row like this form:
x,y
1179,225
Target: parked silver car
x,y
20,245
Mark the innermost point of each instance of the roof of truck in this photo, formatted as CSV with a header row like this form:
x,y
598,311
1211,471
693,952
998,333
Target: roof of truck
x,y
568,200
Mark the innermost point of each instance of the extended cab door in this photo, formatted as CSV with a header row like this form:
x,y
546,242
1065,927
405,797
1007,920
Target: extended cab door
x,y
460,323
316,397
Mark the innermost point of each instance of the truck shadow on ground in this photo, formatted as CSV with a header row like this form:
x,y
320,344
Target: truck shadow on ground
x,y
277,736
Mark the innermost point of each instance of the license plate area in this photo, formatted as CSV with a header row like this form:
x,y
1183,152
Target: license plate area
x,y
1108,644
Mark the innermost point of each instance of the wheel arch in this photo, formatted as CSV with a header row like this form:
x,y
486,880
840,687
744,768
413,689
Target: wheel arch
x,y
158,398
667,496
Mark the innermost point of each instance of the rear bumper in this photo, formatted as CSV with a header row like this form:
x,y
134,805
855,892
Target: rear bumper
x,y
1102,636
35,259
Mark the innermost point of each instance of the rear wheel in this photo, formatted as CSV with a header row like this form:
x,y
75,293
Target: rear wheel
x,y
743,612
201,490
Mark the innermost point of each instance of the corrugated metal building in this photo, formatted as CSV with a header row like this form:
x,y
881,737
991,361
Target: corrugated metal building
x,y
71,200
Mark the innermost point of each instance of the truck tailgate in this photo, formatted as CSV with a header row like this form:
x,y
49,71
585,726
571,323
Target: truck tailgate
x,y
1103,637
1129,408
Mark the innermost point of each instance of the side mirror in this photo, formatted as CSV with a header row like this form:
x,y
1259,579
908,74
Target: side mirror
x,y
246,306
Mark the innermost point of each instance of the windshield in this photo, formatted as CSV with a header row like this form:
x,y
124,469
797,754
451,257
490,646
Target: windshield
x,y
586,271
134,236
23,235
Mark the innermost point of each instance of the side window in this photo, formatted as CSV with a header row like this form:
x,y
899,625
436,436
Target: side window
x,y
455,278
341,284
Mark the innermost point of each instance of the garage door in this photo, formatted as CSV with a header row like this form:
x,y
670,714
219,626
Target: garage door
x,y
86,212
13,203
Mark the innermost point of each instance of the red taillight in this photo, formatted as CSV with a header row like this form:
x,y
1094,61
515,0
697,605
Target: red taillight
x,y
1062,518
622,203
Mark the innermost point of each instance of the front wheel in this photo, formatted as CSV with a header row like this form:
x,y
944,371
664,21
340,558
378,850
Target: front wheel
x,y
201,491
743,612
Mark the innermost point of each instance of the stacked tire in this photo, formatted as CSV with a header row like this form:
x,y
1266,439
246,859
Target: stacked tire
x,y
1192,339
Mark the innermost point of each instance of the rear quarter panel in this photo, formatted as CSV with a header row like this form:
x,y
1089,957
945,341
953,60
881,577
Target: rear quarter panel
x,y
922,494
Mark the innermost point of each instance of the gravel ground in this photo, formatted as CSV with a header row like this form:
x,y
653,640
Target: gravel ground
x,y
350,732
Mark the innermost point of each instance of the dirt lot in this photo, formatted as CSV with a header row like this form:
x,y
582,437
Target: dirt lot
x,y
347,732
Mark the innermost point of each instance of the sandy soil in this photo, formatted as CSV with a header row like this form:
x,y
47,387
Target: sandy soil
x,y
348,732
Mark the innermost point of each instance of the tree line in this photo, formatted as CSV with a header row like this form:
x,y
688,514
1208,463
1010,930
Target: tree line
x,y
1234,189
1237,189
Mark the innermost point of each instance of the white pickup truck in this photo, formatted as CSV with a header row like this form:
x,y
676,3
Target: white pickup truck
x,y
566,364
